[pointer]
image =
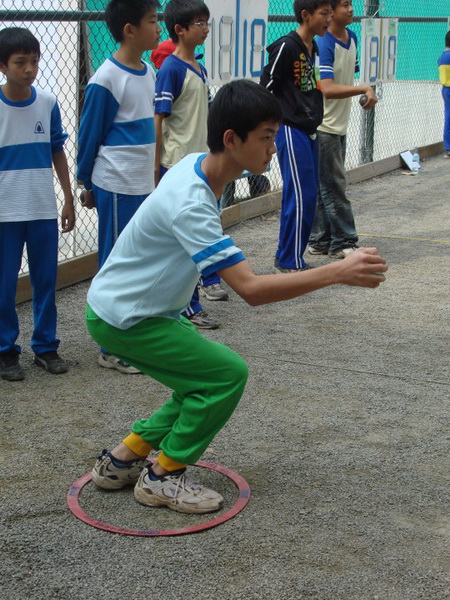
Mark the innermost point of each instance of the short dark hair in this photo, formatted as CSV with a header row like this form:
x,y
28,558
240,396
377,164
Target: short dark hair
x,y
447,40
17,39
334,3
240,105
308,5
181,12
120,12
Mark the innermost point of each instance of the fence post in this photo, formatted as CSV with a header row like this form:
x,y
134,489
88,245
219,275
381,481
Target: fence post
x,y
371,7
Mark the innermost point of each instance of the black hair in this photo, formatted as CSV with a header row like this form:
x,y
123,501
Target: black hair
x,y
120,12
240,105
447,40
308,5
181,12
17,39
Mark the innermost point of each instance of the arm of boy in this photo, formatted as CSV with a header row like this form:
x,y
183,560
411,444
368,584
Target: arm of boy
x,y
159,118
62,171
362,268
99,111
275,72
332,90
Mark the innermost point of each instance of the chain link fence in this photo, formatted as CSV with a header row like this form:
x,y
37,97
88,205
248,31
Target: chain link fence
x,y
75,41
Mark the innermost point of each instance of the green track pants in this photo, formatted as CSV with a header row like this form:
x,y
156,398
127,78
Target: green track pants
x,y
207,379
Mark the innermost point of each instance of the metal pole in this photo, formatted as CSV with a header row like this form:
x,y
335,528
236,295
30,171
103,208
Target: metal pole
x,y
371,7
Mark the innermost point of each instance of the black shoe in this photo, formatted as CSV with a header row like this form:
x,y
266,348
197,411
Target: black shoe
x,y
51,362
10,368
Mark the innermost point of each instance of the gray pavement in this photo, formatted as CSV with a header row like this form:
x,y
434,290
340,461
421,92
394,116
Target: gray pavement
x,y
342,434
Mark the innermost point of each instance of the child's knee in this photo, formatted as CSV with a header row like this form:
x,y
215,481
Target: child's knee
x,y
237,370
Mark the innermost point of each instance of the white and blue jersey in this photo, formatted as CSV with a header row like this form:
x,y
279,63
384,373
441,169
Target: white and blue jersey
x,y
30,132
175,235
338,61
116,140
182,94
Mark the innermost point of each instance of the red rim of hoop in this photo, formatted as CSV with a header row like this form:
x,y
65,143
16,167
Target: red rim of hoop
x,y
73,503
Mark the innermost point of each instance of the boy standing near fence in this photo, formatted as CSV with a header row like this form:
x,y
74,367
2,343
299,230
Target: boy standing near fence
x,y
292,74
181,113
334,231
135,301
117,132
31,141
444,78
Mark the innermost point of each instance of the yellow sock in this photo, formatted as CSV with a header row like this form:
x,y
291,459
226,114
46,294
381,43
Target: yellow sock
x,y
167,463
137,445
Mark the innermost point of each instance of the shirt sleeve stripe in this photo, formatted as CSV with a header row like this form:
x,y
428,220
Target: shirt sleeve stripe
x,y
223,264
214,249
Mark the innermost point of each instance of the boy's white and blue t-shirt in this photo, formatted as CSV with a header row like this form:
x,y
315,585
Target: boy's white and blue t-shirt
x,y
338,61
175,235
30,132
182,94
117,130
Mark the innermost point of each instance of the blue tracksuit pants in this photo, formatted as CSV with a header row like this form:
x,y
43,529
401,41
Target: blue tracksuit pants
x,y
41,240
114,211
298,159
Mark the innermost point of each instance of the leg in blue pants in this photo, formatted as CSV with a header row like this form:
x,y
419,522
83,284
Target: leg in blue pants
x,y
41,239
114,212
210,279
297,156
446,96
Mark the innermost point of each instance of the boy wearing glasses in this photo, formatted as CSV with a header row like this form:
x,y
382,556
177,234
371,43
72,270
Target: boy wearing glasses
x,y
181,113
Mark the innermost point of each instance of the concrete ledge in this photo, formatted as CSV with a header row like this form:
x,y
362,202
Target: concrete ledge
x,y
248,209
386,165
78,269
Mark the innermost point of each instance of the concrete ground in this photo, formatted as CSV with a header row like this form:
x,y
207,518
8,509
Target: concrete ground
x,y
342,434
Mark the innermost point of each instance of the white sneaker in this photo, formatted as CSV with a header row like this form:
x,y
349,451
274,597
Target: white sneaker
x,y
213,292
342,253
112,362
176,491
107,476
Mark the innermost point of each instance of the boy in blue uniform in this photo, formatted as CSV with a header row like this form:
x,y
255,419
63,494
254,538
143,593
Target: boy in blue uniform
x,y
292,74
181,113
117,132
136,300
334,231
444,78
31,140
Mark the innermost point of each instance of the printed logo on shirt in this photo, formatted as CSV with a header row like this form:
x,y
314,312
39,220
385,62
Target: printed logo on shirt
x,y
39,128
305,74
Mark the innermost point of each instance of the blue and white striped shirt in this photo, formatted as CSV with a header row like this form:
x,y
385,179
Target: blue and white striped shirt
x,y
116,140
30,132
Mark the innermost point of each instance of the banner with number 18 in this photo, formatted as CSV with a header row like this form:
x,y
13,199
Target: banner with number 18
x,y
236,44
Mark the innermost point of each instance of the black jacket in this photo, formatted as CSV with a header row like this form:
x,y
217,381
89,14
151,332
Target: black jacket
x,y
292,75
